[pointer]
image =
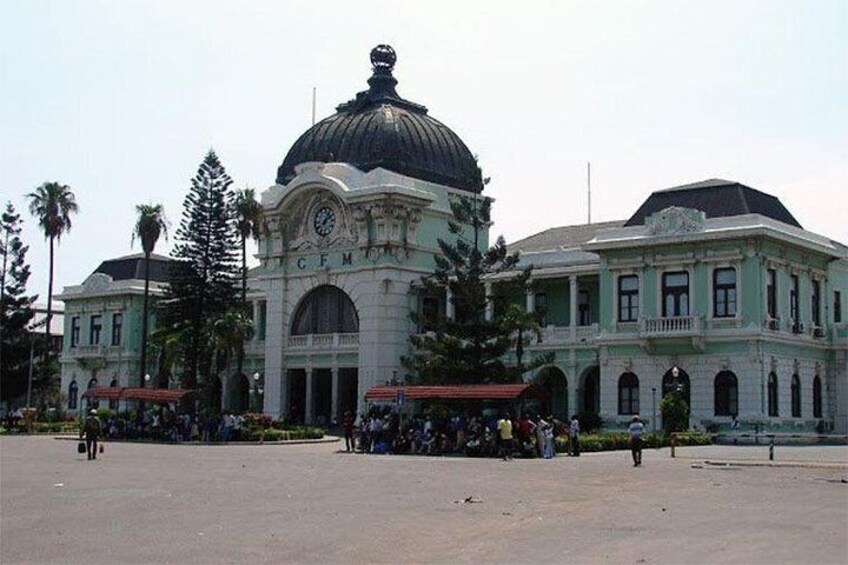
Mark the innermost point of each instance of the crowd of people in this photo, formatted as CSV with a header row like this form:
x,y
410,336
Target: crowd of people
x,y
164,424
384,430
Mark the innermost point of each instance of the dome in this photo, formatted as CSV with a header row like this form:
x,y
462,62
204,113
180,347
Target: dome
x,y
378,128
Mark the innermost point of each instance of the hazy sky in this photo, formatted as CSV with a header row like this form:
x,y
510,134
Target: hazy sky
x,y
121,100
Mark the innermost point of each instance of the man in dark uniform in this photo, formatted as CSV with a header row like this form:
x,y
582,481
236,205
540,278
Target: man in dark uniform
x,y
92,429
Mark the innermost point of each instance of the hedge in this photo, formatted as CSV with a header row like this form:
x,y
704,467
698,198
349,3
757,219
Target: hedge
x,y
613,441
273,434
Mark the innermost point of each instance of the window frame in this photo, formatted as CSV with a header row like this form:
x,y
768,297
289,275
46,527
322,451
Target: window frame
x,y
771,294
725,290
117,328
837,307
794,306
628,394
632,299
726,394
815,302
773,396
678,295
95,329
817,397
75,331
795,392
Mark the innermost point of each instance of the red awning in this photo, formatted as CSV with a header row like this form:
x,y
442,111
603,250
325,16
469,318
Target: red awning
x,y
154,395
456,392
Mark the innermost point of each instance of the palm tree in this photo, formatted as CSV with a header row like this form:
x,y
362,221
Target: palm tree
x,y
151,223
248,215
52,204
227,336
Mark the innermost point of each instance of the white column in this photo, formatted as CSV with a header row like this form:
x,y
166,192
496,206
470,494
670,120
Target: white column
x,y
334,407
530,301
309,417
572,297
449,311
490,304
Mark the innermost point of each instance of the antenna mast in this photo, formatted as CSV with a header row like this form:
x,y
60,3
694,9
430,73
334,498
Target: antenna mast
x,y
313,105
589,188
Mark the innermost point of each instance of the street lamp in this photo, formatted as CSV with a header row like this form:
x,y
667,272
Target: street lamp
x,y
146,379
257,391
654,408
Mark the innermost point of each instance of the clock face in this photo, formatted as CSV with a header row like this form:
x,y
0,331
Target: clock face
x,y
324,221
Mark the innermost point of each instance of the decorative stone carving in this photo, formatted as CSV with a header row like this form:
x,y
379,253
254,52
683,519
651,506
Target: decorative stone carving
x,y
295,223
675,220
97,282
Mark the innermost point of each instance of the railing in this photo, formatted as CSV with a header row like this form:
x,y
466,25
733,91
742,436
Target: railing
x,y
569,334
324,341
671,327
87,351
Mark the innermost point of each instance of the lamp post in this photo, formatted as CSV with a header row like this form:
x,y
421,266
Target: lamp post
x,y
654,408
256,391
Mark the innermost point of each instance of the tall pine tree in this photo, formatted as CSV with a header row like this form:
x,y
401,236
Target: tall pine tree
x,y
15,307
467,348
204,278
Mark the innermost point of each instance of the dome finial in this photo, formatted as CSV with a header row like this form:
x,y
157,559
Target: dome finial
x,y
383,58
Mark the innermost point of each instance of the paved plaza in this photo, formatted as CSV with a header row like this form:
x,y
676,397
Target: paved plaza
x,y
142,503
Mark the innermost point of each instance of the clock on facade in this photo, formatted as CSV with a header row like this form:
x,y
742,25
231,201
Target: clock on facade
x,y
324,221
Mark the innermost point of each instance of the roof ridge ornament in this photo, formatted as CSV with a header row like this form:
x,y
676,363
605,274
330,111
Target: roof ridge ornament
x,y
383,58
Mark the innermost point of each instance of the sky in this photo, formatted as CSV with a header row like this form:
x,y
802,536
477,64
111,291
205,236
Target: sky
x,y
121,100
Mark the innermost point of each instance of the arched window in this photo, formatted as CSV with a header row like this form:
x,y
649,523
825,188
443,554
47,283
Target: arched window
x,y
113,404
817,398
628,394
92,383
772,395
726,394
73,395
325,310
796,396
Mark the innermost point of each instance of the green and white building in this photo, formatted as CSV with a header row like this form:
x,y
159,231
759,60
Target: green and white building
x,y
716,280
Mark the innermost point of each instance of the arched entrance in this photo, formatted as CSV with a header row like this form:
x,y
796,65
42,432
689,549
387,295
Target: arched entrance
x,y
215,390
590,401
240,394
321,393
555,383
670,383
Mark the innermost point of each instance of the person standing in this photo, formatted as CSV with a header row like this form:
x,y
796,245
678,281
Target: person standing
x,y
92,429
505,437
637,428
347,424
574,436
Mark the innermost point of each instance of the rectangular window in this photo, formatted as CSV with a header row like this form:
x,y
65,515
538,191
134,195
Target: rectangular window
x,y
675,291
837,307
816,303
117,326
628,298
583,310
94,330
540,304
793,300
430,313
724,293
771,294
262,321
75,331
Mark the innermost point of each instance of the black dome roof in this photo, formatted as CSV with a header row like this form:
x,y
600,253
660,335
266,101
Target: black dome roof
x,y
378,128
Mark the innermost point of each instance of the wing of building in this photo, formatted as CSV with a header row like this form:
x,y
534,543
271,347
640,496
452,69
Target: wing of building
x,y
711,288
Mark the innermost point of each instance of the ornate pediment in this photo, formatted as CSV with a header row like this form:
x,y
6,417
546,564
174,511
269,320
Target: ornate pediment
x,y
675,220
97,282
315,220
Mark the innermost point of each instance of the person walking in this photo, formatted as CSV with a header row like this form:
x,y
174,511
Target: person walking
x,y
92,429
637,428
574,436
505,437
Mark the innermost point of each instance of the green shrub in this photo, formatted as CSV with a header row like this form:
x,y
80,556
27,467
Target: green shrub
x,y
589,421
616,441
675,412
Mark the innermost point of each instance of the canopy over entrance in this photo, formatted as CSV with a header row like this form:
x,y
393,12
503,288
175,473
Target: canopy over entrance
x,y
457,392
153,395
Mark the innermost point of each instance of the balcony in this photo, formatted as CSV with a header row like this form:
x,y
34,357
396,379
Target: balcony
x,y
87,351
564,335
324,342
680,326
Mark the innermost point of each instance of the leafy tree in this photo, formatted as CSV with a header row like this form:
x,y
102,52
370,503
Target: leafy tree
x,y
16,310
52,204
203,279
466,348
521,326
675,412
149,226
248,215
